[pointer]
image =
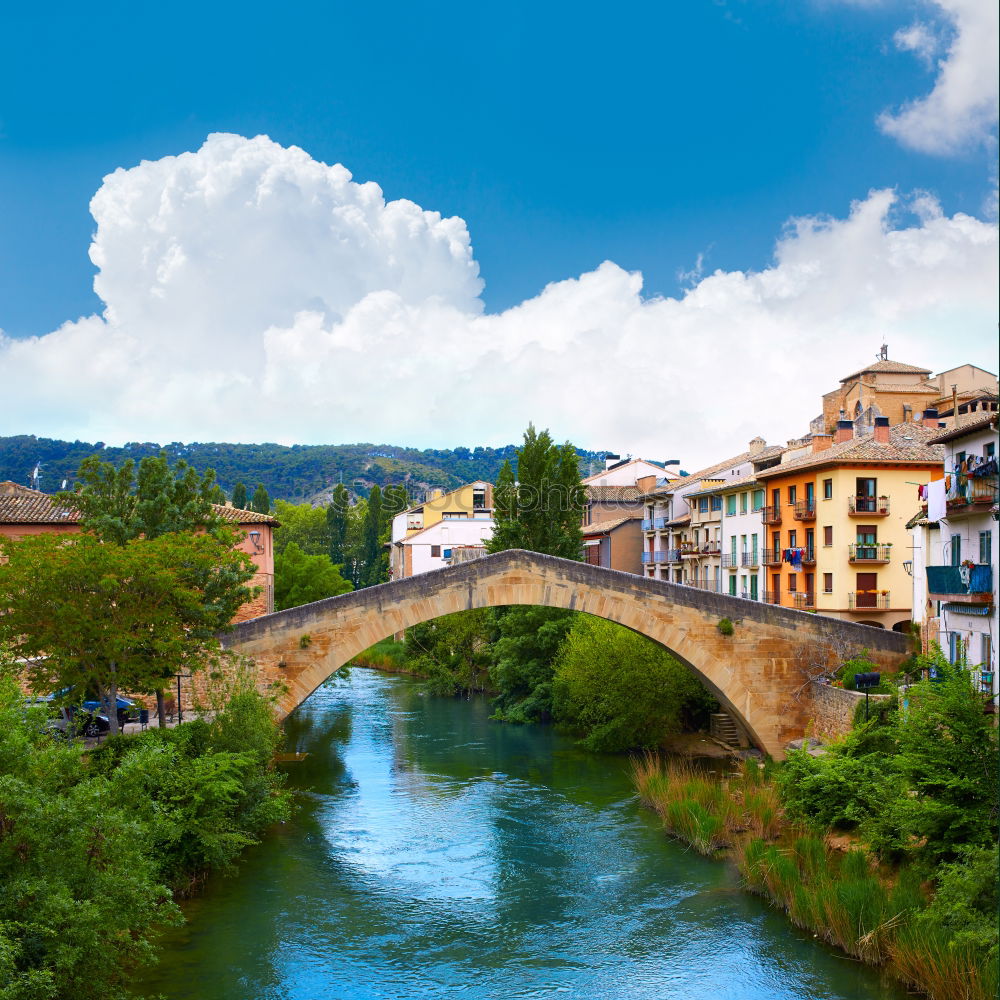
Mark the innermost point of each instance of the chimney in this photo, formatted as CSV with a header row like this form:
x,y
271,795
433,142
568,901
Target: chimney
x,y
646,483
845,431
881,431
930,418
821,442
757,445
610,460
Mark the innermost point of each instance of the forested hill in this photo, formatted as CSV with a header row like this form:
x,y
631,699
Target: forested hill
x,y
296,472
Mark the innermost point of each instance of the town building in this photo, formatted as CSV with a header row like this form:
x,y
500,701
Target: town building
x,y
682,526
902,393
954,551
615,543
835,518
24,511
742,537
444,528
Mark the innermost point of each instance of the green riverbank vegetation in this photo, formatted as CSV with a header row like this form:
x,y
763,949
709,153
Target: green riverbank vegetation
x,y
884,846
96,845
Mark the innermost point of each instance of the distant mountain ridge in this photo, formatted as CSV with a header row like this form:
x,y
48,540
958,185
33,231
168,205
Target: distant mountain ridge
x,y
289,472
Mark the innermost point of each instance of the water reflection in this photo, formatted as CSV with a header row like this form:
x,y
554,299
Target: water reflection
x,y
437,854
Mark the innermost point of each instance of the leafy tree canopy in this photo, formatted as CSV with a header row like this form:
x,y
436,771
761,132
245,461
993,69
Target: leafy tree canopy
x,y
261,502
300,578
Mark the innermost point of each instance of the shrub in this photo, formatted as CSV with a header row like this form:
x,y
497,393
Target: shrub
x,y
725,626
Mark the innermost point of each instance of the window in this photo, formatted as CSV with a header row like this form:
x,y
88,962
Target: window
x,y
792,585
985,547
479,499
776,498
753,547
703,505
990,450
956,552
753,586
792,494
758,500
986,651
775,541
593,553
811,494
743,502
436,551
827,583
716,503
827,489
732,586
731,505
453,515
793,539
956,647
828,534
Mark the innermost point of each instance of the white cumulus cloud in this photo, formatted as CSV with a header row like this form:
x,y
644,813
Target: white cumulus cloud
x,y
255,294
961,109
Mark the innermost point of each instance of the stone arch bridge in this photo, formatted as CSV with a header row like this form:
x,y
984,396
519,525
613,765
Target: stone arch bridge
x,y
760,674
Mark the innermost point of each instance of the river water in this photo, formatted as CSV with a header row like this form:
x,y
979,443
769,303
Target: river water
x,y
438,854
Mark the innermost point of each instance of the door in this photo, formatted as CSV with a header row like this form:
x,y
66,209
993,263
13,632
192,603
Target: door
x,y
867,590
811,495
753,585
865,494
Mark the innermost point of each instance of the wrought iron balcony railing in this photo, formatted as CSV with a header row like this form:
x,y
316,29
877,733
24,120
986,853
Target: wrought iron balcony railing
x,y
770,515
862,552
730,561
805,510
749,559
804,599
860,600
770,557
872,506
771,597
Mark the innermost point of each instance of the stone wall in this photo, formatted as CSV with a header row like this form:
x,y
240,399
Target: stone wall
x,y
833,709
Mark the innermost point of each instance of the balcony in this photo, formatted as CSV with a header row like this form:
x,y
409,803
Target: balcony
x,y
976,495
804,599
750,560
730,561
808,556
770,515
647,524
770,557
701,583
659,524
771,597
711,549
863,600
868,506
949,583
661,556
673,555
858,552
805,510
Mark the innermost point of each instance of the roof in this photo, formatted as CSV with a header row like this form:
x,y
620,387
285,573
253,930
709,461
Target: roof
x,y
604,527
731,484
909,444
897,367
20,505
920,388
613,494
678,484
964,427
623,465
427,501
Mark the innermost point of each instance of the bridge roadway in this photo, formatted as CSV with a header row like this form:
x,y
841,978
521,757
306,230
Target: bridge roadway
x,y
760,674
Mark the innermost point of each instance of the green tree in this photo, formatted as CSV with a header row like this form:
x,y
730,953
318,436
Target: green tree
x,y
300,578
119,504
239,498
261,502
373,559
85,614
619,689
452,652
336,524
303,524
542,509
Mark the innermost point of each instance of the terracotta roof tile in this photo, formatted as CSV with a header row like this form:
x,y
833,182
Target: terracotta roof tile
x,y
612,494
897,367
603,527
967,424
32,507
908,444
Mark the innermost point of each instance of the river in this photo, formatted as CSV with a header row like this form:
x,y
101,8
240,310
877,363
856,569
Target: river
x,y
438,854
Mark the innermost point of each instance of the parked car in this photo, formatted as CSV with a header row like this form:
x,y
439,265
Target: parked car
x,y
71,720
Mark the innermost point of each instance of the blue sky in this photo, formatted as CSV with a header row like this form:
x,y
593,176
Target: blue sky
x,y
777,187
564,134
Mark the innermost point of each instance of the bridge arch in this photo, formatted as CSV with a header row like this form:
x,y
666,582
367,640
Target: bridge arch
x,y
760,674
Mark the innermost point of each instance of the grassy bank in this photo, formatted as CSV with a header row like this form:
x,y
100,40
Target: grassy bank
x,y
878,914
388,655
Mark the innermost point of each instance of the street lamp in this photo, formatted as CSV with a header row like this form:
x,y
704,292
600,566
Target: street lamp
x,y
180,711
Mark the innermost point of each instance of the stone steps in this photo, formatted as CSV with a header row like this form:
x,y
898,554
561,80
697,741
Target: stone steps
x,y
723,728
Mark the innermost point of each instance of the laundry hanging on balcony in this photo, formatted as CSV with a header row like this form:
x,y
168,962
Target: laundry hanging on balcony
x,y
793,557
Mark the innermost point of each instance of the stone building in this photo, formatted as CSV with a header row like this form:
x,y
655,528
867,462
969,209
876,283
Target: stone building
x,y
24,511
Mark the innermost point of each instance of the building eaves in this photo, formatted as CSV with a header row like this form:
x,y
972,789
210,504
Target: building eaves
x,y
612,494
897,367
965,427
604,527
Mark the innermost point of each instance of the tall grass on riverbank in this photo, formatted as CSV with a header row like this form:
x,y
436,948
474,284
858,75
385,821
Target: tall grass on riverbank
x,y
385,655
840,896
703,811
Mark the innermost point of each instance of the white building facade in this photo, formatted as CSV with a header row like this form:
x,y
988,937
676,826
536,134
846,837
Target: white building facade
x,y
955,553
